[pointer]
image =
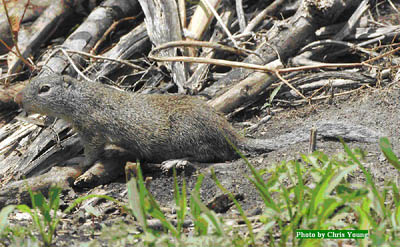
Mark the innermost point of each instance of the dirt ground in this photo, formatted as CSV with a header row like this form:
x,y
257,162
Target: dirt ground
x,y
377,109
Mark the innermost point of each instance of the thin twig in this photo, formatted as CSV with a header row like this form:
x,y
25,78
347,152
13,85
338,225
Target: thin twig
x,y
312,140
107,58
182,13
253,23
382,55
219,62
325,96
290,85
212,9
222,62
8,47
7,76
240,15
262,121
315,92
24,12
74,66
190,43
276,71
393,6
336,42
111,28
353,21
6,12
14,38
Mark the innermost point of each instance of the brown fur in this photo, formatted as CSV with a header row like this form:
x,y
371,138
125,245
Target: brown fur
x,y
154,127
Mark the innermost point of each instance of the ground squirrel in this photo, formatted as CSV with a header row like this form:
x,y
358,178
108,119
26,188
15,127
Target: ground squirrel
x,y
154,128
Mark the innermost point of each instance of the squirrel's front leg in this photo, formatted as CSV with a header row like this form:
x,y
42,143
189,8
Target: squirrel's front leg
x,y
93,148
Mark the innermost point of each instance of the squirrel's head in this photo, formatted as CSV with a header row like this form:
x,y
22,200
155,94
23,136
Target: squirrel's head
x,y
51,95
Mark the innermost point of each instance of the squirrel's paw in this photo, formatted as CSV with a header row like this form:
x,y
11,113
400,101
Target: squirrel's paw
x,y
102,172
167,166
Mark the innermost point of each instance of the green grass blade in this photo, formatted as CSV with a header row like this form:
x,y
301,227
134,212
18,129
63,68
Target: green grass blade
x,y
258,179
194,207
154,210
210,217
201,225
381,204
42,206
54,203
266,228
274,93
143,203
183,205
289,205
265,194
142,193
240,210
38,222
137,208
329,206
256,175
54,198
319,192
299,188
24,209
338,177
387,151
365,222
4,214
181,202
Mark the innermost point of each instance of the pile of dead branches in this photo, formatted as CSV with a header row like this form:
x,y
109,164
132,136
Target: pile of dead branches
x,y
232,52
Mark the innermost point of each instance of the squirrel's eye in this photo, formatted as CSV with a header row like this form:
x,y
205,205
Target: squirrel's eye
x,y
44,89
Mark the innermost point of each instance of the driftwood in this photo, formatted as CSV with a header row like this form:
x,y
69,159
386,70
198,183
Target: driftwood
x,y
16,9
31,148
299,30
31,39
245,91
200,20
334,79
7,95
17,192
257,19
352,23
88,33
134,43
163,25
196,79
55,144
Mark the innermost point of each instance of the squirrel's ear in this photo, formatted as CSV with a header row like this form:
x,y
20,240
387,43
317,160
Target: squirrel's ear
x,y
67,81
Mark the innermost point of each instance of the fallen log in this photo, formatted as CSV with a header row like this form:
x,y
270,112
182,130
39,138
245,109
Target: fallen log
x,y
30,39
285,39
88,33
16,10
163,25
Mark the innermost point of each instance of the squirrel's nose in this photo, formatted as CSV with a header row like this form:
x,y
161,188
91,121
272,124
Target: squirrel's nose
x,y
19,99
